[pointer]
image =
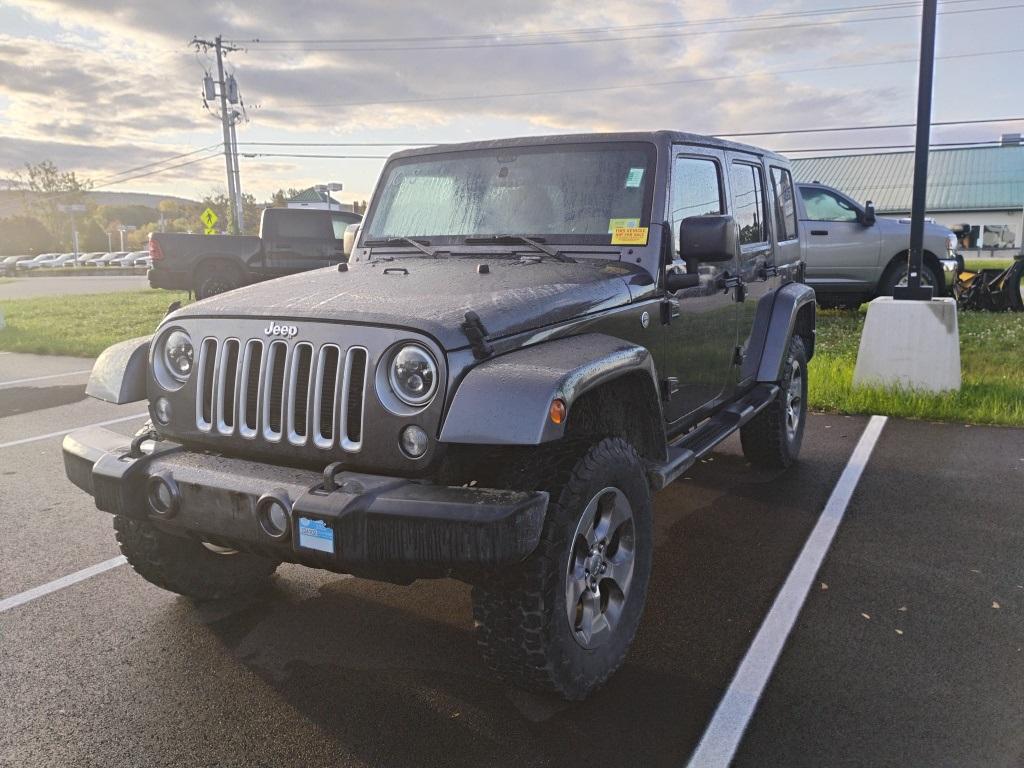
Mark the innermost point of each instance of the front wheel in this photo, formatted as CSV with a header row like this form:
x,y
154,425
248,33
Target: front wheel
x,y
773,437
898,274
563,620
187,566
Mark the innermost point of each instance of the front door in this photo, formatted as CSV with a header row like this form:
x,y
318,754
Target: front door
x,y
299,241
697,354
842,254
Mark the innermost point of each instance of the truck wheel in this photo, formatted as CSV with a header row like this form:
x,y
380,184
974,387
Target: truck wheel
x,y
215,278
896,275
564,619
187,566
773,437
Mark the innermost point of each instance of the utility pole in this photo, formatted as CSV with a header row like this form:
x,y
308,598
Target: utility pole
x,y
914,289
227,125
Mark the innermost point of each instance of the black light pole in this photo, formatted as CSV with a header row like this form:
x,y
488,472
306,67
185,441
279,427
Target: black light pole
x,y
914,289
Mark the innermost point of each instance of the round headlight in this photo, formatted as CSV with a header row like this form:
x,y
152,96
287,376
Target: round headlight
x,y
413,375
179,354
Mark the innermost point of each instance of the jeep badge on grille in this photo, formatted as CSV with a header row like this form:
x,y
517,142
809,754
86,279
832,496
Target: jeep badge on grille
x,y
285,331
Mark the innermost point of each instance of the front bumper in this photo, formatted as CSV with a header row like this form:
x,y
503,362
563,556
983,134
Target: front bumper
x,y
383,527
951,269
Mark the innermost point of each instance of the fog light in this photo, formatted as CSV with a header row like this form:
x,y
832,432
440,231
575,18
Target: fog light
x,y
162,494
162,410
414,441
274,513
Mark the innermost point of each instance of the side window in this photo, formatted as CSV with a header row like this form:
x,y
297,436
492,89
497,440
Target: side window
x,y
696,191
748,203
785,205
822,205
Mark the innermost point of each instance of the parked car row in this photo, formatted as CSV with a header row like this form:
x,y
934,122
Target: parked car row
x,y
14,264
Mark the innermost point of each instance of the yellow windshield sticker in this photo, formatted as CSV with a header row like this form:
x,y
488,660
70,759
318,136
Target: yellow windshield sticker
x,y
614,224
629,236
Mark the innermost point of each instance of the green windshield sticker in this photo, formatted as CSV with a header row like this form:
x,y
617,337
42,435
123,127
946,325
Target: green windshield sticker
x,y
614,224
634,177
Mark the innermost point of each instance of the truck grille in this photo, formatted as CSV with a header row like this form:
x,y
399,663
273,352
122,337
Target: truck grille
x,y
278,391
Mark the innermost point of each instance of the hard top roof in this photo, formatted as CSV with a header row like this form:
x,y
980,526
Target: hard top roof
x,y
656,137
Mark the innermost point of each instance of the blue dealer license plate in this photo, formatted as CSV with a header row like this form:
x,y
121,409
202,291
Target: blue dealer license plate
x,y
316,534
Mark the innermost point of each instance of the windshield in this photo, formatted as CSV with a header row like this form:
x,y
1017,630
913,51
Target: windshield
x,y
563,193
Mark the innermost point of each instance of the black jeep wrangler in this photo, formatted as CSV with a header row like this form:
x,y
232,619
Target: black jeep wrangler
x,y
531,336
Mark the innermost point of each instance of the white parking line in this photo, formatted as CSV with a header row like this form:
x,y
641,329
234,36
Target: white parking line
x,y
63,432
42,378
64,581
718,744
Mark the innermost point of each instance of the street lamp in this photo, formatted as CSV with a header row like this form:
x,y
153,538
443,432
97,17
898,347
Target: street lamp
x,y
125,228
333,186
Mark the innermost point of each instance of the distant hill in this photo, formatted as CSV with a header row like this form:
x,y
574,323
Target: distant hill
x,y
14,203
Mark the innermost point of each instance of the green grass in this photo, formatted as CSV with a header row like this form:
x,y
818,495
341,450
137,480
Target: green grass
x,y
991,350
991,358
82,326
6,280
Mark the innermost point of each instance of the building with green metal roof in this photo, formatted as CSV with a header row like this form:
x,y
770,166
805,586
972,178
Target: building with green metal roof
x,y
976,186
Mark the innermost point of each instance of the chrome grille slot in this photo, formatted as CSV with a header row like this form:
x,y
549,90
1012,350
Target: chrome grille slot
x,y
273,390
205,383
227,383
325,395
352,398
306,393
249,388
298,393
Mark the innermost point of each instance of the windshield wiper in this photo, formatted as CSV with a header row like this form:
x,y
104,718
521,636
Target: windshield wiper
x,y
537,243
419,245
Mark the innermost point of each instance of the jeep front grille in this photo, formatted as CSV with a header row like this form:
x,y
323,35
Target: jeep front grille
x,y
274,391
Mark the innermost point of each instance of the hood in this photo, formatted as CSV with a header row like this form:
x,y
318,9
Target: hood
x,y
433,295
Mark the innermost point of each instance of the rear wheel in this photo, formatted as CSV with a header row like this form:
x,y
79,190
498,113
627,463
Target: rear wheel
x,y
217,277
773,437
564,619
187,566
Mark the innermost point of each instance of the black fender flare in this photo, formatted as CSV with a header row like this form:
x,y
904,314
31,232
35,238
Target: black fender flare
x,y
119,373
792,311
506,400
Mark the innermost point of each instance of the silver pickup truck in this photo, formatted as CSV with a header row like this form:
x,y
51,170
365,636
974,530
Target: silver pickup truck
x,y
852,255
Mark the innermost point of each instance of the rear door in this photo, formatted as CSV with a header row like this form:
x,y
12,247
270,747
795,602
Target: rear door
x,y
297,240
699,342
756,268
841,253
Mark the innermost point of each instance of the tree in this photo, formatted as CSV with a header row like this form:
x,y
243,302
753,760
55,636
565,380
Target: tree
x,y
24,235
47,188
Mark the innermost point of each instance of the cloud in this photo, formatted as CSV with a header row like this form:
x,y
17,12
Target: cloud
x,y
119,86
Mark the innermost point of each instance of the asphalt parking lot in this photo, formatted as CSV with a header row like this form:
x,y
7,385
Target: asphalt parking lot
x,y
32,287
909,649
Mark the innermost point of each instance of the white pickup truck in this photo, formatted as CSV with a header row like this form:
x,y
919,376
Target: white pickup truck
x,y
852,255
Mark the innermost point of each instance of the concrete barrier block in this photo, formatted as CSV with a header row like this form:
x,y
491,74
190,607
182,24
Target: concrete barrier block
x,y
911,344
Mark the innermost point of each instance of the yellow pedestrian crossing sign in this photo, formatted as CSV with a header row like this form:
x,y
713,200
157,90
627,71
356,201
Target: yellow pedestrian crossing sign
x,y
209,218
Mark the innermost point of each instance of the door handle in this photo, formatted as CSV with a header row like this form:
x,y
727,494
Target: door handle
x,y
819,231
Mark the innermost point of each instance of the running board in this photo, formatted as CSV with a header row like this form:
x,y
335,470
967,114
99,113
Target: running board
x,y
685,451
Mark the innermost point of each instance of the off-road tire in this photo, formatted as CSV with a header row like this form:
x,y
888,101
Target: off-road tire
x,y
186,566
767,440
520,612
217,277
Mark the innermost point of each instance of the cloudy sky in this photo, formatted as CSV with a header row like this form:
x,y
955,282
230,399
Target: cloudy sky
x,y
103,86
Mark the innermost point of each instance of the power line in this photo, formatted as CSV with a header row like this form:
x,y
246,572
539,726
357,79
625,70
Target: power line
x,y
589,30
159,162
335,157
620,38
871,127
722,134
631,86
158,171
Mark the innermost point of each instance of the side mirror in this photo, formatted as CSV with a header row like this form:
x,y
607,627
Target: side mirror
x,y
707,239
868,219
